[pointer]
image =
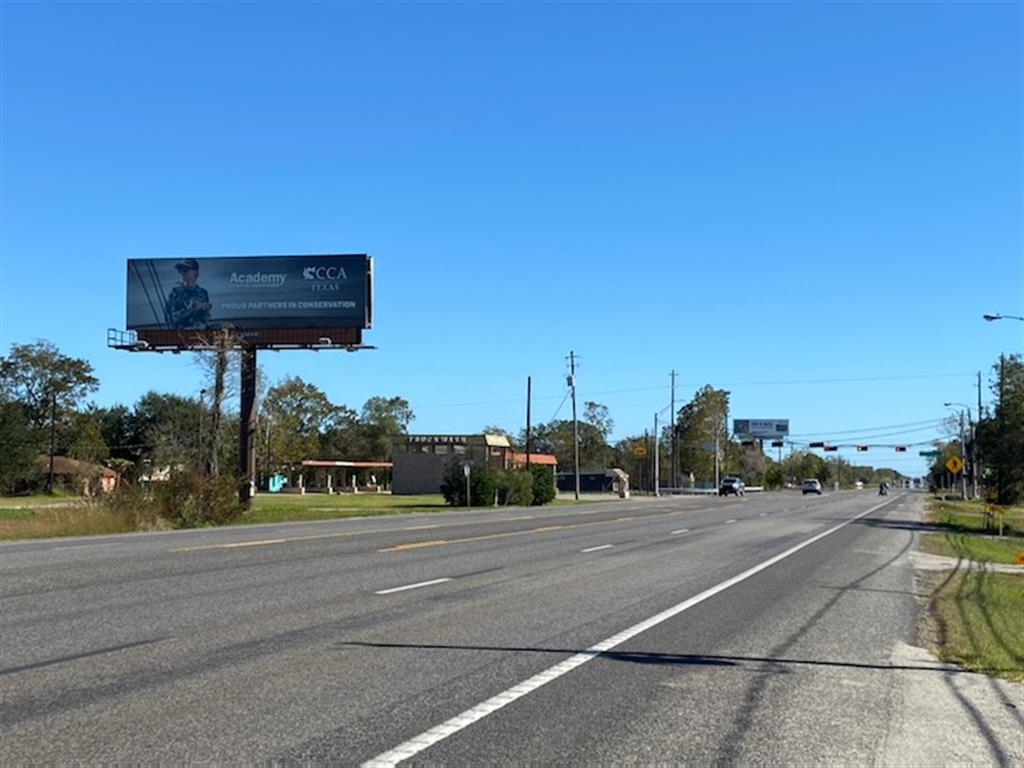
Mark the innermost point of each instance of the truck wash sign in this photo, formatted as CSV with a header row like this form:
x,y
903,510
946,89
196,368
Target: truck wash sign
x,y
322,291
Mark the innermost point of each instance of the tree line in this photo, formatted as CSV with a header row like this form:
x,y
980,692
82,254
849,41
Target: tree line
x,y
43,406
995,439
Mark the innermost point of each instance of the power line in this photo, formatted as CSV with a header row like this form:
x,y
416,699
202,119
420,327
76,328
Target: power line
x,y
874,436
559,406
867,429
628,390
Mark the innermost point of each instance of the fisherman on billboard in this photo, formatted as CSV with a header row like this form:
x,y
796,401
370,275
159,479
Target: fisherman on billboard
x,y
188,306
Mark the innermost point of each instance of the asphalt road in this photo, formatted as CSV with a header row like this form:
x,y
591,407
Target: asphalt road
x,y
686,630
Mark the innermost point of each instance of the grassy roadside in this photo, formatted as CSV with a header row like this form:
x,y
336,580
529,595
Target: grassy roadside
x,y
9,504
285,508
978,621
977,617
965,535
64,520
30,517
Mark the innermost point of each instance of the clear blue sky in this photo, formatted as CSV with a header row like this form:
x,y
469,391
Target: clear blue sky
x,y
810,205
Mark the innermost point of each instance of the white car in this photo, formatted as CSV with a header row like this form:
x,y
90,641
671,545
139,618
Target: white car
x,y
811,486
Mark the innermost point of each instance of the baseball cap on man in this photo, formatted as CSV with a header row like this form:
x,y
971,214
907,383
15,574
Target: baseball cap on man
x,y
186,264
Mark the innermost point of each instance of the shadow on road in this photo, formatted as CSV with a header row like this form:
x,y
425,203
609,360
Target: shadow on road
x,y
774,664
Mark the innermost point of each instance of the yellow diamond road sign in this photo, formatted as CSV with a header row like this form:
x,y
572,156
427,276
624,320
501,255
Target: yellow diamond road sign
x,y
954,464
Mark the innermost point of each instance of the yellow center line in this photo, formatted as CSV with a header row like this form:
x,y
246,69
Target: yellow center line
x,y
487,536
372,531
415,545
253,543
341,535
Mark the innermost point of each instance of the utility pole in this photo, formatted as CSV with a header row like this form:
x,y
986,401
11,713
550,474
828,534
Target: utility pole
x,y
1001,410
675,461
718,482
528,385
643,465
575,424
53,438
657,452
974,464
963,452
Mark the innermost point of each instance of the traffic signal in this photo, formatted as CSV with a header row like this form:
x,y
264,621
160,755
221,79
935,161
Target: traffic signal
x,y
901,449
816,445
777,443
831,448
862,447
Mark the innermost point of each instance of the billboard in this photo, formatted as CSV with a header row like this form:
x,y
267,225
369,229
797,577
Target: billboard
x,y
761,428
250,292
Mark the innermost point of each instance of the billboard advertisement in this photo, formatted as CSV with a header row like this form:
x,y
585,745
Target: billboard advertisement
x,y
762,428
250,292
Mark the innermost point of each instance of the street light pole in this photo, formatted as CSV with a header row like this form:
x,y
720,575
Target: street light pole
x,y
998,316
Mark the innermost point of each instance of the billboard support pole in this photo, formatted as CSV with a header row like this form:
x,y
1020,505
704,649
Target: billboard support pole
x,y
247,427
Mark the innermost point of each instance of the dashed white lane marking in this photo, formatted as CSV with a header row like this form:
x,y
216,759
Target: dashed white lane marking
x,y
594,549
762,514
450,727
681,530
410,586
729,522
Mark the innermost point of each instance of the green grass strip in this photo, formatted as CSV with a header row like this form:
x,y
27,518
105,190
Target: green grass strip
x,y
969,535
979,619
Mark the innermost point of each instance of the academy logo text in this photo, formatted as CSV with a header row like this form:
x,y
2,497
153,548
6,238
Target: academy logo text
x,y
258,279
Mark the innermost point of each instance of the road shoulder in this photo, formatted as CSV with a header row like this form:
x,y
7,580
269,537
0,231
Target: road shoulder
x,y
943,714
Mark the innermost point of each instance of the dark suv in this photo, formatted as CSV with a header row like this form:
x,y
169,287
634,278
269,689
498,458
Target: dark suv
x,y
732,485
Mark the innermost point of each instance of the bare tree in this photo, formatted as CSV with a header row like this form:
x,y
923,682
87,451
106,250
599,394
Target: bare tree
x,y
220,365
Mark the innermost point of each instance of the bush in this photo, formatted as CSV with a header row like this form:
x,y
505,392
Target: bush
x,y
543,485
483,481
515,487
193,500
774,478
132,504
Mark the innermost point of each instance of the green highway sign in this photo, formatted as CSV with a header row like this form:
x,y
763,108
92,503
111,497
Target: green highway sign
x,y
927,453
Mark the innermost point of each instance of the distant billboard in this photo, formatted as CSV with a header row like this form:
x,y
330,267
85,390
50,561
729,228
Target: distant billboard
x,y
250,292
761,428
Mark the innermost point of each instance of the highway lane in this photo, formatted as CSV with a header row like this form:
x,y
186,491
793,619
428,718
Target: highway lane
x,y
336,642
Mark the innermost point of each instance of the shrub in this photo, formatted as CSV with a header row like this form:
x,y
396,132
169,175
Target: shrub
x,y
483,481
515,487
543,485
133,505
193,500
774,478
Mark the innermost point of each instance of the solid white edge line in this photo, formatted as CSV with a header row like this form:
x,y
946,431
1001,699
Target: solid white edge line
x,y
450,727
594,549
410,586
